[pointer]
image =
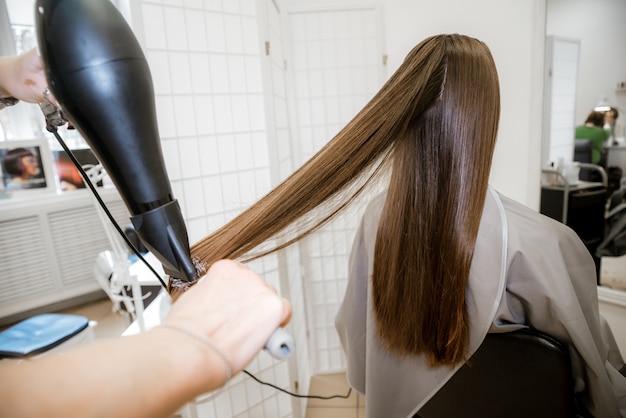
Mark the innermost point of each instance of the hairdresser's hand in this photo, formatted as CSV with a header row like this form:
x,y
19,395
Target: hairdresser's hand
x,y
154,372
23,77
234,308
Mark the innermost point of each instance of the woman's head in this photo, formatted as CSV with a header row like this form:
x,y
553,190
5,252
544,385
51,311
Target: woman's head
x,y
440,172
611,115
21,162
595,118
448,86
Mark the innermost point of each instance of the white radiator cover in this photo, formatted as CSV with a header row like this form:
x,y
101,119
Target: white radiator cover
x,y
48,245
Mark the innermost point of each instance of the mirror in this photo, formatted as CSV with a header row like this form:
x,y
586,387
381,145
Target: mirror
x,y
599,28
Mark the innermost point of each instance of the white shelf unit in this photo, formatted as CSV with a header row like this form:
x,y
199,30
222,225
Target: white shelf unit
x,y
48,244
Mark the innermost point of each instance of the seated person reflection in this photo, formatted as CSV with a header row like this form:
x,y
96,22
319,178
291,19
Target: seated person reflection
x,y
440,258
593,130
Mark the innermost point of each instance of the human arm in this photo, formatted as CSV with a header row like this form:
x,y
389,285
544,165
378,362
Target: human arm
x,y
156,372
23,77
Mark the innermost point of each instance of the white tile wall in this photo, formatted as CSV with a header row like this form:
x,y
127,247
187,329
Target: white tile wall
x,y
223,150
200,55
561,86
281,159
205,61
337,62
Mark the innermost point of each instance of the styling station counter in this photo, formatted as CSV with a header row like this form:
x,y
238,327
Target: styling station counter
x,y
48,245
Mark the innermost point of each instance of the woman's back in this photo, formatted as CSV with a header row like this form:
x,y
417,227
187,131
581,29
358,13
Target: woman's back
x,y
548,282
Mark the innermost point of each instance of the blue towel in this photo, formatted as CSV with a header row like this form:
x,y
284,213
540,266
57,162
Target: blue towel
x,y
40,333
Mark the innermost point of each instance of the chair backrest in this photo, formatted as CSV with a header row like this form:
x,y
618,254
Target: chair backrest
x,y
519,374
583,150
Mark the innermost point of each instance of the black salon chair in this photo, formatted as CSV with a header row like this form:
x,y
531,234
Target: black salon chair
x,y
520,374
583,150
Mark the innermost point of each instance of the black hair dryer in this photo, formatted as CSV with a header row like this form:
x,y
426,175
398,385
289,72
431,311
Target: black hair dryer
x,y
98,73
100,77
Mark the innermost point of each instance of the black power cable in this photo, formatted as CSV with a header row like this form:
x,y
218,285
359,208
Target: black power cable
x,y
102,204
295,395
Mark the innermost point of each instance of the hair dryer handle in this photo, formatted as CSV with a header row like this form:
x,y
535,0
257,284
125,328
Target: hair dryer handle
x,y
280,344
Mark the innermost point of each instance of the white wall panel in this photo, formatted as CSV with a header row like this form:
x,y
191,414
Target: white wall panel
x,y
334,53
205,58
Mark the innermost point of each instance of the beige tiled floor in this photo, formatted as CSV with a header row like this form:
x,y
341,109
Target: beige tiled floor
x,y
333,384
109,323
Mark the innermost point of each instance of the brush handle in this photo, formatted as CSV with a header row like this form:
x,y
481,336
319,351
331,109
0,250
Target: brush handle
x,y
280,344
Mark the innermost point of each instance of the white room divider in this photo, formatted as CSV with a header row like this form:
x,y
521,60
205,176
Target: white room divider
x,y
337,66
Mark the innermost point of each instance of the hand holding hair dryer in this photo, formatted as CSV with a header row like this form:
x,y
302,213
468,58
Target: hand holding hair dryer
x,y
99,75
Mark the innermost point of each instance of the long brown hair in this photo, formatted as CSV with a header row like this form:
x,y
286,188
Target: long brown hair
x,y
433,125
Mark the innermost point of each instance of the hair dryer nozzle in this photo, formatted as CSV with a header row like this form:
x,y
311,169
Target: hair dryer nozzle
x,y
163,232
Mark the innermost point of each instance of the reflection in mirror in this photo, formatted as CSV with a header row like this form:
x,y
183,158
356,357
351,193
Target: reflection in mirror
x,y
601,72
598,27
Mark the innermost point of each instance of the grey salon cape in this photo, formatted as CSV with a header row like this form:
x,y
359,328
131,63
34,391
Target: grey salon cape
x,y
527,269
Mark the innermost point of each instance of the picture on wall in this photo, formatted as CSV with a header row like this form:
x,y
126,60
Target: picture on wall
x,y
68,175
25,166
